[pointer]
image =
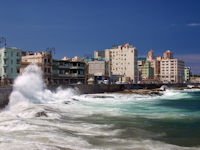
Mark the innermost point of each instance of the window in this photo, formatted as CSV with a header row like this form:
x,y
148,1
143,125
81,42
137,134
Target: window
x,y
11,53
18,61
17,53
17,70
11,61
11,70
4,70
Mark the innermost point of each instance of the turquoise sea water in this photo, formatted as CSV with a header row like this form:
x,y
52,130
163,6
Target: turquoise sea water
x,y
97,121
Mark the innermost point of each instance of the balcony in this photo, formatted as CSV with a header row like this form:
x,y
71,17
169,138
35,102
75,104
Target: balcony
x,y
77,67
5,65
5,57
63,66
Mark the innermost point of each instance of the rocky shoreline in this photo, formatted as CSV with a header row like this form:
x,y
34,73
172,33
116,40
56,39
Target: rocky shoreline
x,y
156,91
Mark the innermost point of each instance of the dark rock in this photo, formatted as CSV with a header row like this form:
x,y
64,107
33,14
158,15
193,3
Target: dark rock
x,y
40,114
75,99
66,102
102,96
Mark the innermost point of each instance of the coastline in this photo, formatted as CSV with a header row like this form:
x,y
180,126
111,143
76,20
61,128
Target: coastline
x,y
102,88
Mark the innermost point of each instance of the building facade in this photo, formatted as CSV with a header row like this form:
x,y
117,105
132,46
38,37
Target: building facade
x,y
122,62
10,63
68,71
187,73
154,64
43,60
172,71
146,71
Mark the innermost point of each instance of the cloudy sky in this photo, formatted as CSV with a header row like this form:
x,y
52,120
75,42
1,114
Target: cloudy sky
x,y
78,27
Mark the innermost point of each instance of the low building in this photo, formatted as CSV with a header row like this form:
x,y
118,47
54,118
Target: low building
x,y
187,74
68,71
10,63
146,71
43,60
97,69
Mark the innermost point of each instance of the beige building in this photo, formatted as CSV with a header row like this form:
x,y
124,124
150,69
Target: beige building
x,y
172,70
154,64
122,62
42,59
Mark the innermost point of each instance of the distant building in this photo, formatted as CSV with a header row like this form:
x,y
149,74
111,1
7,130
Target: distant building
x,y
172,70
141,61
43,60
99,54
68,71
146,71
187,73
122,62
10,63
97,69
154,64
168,55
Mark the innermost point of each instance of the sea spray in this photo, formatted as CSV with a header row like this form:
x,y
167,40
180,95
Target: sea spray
x,y
29,88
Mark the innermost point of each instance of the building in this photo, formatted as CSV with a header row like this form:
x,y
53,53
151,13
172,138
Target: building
x,y
168,55
97,69
99,54
122,63
172,71
141,61
187,73
43,60
146,71
154,63
68,71
10,63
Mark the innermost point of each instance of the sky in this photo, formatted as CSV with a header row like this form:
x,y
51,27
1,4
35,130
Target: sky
x,y
79,27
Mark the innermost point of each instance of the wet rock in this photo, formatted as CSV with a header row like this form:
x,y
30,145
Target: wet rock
x,y
155,93
75,99
66,102
40,114
102,96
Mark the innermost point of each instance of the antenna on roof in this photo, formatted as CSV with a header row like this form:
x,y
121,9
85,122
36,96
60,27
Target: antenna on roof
x,y
51,50
3,40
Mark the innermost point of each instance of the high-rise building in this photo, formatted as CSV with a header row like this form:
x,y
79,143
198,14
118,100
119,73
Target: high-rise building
x,y
10,63
122,62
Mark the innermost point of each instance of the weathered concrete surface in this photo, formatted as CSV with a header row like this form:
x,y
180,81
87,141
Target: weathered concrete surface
x,y
4,96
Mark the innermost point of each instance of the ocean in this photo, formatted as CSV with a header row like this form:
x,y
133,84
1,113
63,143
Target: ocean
x,y
39,119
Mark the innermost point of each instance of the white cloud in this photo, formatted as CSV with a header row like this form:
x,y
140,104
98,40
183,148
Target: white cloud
x,y
193,24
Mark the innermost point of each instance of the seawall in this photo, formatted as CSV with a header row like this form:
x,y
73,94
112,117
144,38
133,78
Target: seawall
x,y
89,89
4,96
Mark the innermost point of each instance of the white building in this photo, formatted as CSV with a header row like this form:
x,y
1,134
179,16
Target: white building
x,y
122,62
172,70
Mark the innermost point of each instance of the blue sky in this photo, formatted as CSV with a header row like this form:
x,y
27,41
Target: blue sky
x,y
78,27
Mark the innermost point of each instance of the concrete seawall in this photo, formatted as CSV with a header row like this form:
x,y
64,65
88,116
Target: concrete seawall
x,y
4,96
86,89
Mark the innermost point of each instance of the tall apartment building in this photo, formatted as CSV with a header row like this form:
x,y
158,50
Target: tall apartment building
x,y
10,63
171,70
42,59
122,62
68,71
